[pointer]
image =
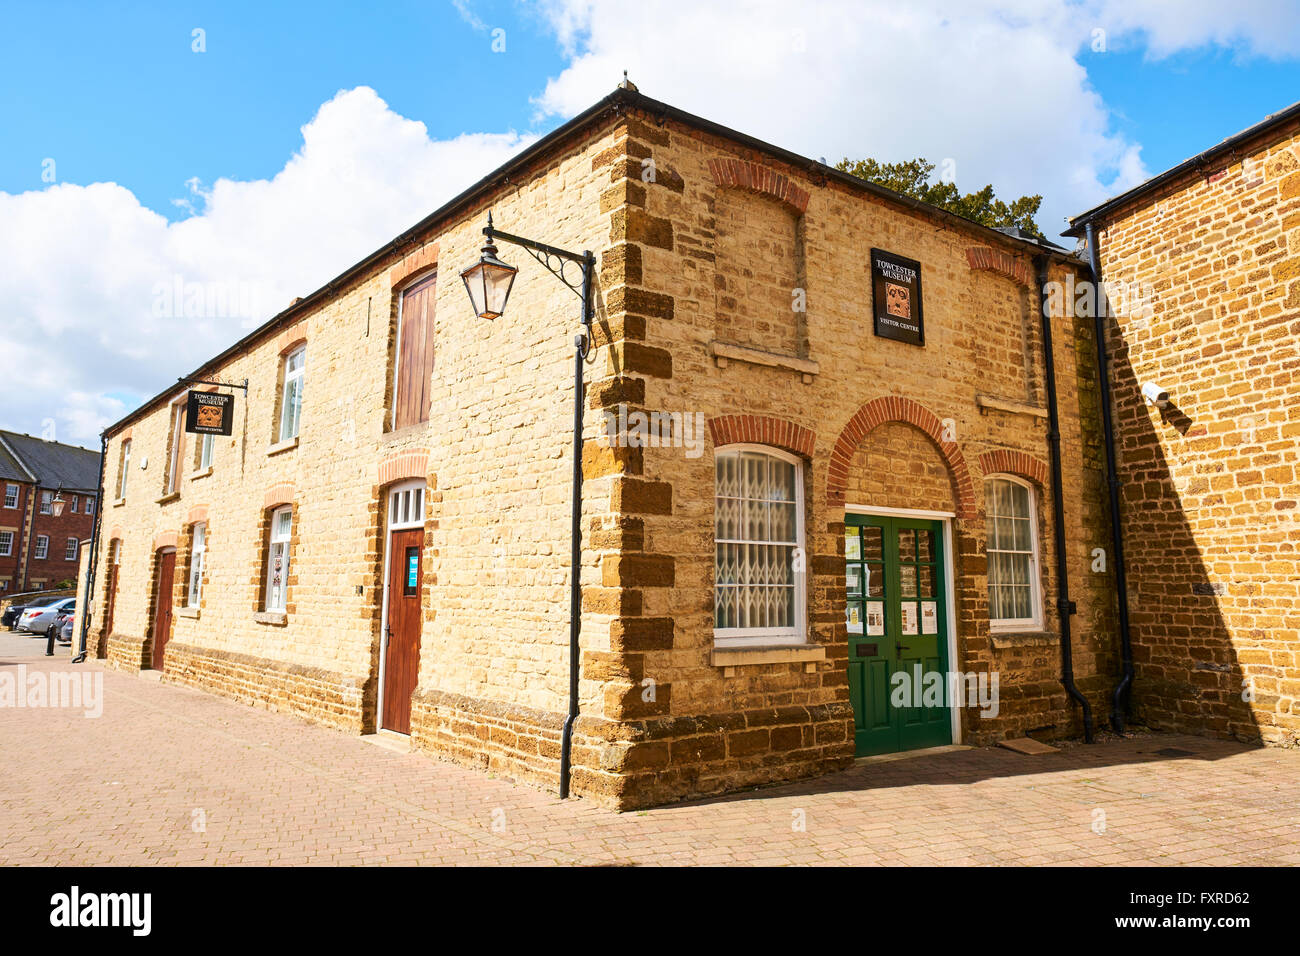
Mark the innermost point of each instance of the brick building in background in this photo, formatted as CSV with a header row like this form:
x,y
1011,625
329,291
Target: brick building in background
x,y
1202,264
855,480
39,549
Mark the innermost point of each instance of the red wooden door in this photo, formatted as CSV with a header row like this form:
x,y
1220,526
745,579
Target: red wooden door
x,y
402,634
110,599
162,618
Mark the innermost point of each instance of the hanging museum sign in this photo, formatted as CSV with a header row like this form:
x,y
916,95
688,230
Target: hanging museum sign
x,y
896,297
208,413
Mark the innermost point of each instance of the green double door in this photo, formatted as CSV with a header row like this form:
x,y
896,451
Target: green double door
x,y
898,633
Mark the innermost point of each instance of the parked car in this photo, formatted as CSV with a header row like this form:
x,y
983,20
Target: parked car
x,y
61,627
35,620
14,611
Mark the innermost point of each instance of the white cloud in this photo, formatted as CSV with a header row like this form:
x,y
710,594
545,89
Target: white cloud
x,y
997,86
90,312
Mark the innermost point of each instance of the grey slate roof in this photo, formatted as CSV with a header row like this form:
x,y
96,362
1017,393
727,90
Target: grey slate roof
x,y
48,463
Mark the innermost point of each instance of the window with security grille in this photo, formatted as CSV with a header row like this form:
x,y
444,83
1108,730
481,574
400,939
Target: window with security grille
x,y
277,560
758,537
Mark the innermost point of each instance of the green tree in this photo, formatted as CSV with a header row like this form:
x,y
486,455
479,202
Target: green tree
x,y
913,178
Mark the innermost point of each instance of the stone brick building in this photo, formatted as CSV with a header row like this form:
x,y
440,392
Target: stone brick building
x,y
39,549
781,507
1202,267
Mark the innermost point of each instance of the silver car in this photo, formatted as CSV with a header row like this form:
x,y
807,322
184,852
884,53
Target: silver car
x,y
36,620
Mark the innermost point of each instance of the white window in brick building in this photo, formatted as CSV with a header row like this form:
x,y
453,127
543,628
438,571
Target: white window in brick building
x,y
6,543
758,536
11,496
90,506
198,552
123,469
47,502
42,546
174,445
206,444
277,559
72,504
1015,599
70,550
291,393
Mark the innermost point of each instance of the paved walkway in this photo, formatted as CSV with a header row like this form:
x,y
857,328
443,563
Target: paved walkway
x,y
176,776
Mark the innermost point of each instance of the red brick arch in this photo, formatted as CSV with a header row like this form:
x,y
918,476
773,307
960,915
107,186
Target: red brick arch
x,y
197,515
762,430
278,495
878,412
1006,462
409,463
739,174
988,259
165,539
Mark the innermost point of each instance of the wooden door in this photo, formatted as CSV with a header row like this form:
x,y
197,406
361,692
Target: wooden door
x,y
110,599
162,618
411,394
402,630
898,633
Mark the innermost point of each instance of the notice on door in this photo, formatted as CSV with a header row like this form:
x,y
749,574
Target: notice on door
x,y
909,617
876,618
855,619
929,617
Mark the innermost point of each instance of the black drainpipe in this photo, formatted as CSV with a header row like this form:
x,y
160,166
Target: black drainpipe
x,y
1064,606
1120,698
93,563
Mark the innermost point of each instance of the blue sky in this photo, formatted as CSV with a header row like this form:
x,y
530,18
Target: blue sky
x,y
299,128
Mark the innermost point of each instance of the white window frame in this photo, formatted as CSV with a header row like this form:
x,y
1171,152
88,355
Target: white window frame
x,y
177,441
11,494
6,547
746,636
42,547
73,545
1035,621
47,502
124,471
198,552
278,543
291,421
206,445
90,505
72,504
406,505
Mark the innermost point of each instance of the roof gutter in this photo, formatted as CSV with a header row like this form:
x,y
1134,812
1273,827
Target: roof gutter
x,y
1227,147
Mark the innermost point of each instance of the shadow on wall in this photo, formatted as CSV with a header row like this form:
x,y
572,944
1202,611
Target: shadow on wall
x,y
1187,673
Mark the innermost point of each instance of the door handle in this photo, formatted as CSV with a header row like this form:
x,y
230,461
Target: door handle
x,y
899,648
389,638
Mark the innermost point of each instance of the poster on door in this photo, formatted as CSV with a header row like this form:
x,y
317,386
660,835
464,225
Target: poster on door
x,y
876,618
929,617
909,617
855,619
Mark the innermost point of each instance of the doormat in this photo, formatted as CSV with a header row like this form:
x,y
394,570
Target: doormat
x,y
1027,745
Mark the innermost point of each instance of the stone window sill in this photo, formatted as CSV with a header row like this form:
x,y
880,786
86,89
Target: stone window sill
x,y
119,502
188,612
283,446
985,402
1005,639
725,352
168,499
274,618
729,658
201,474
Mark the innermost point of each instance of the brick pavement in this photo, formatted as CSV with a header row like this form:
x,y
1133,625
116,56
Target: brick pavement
x,y
175,776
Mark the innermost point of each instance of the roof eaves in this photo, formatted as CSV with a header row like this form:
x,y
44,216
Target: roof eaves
x,y
1197,162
